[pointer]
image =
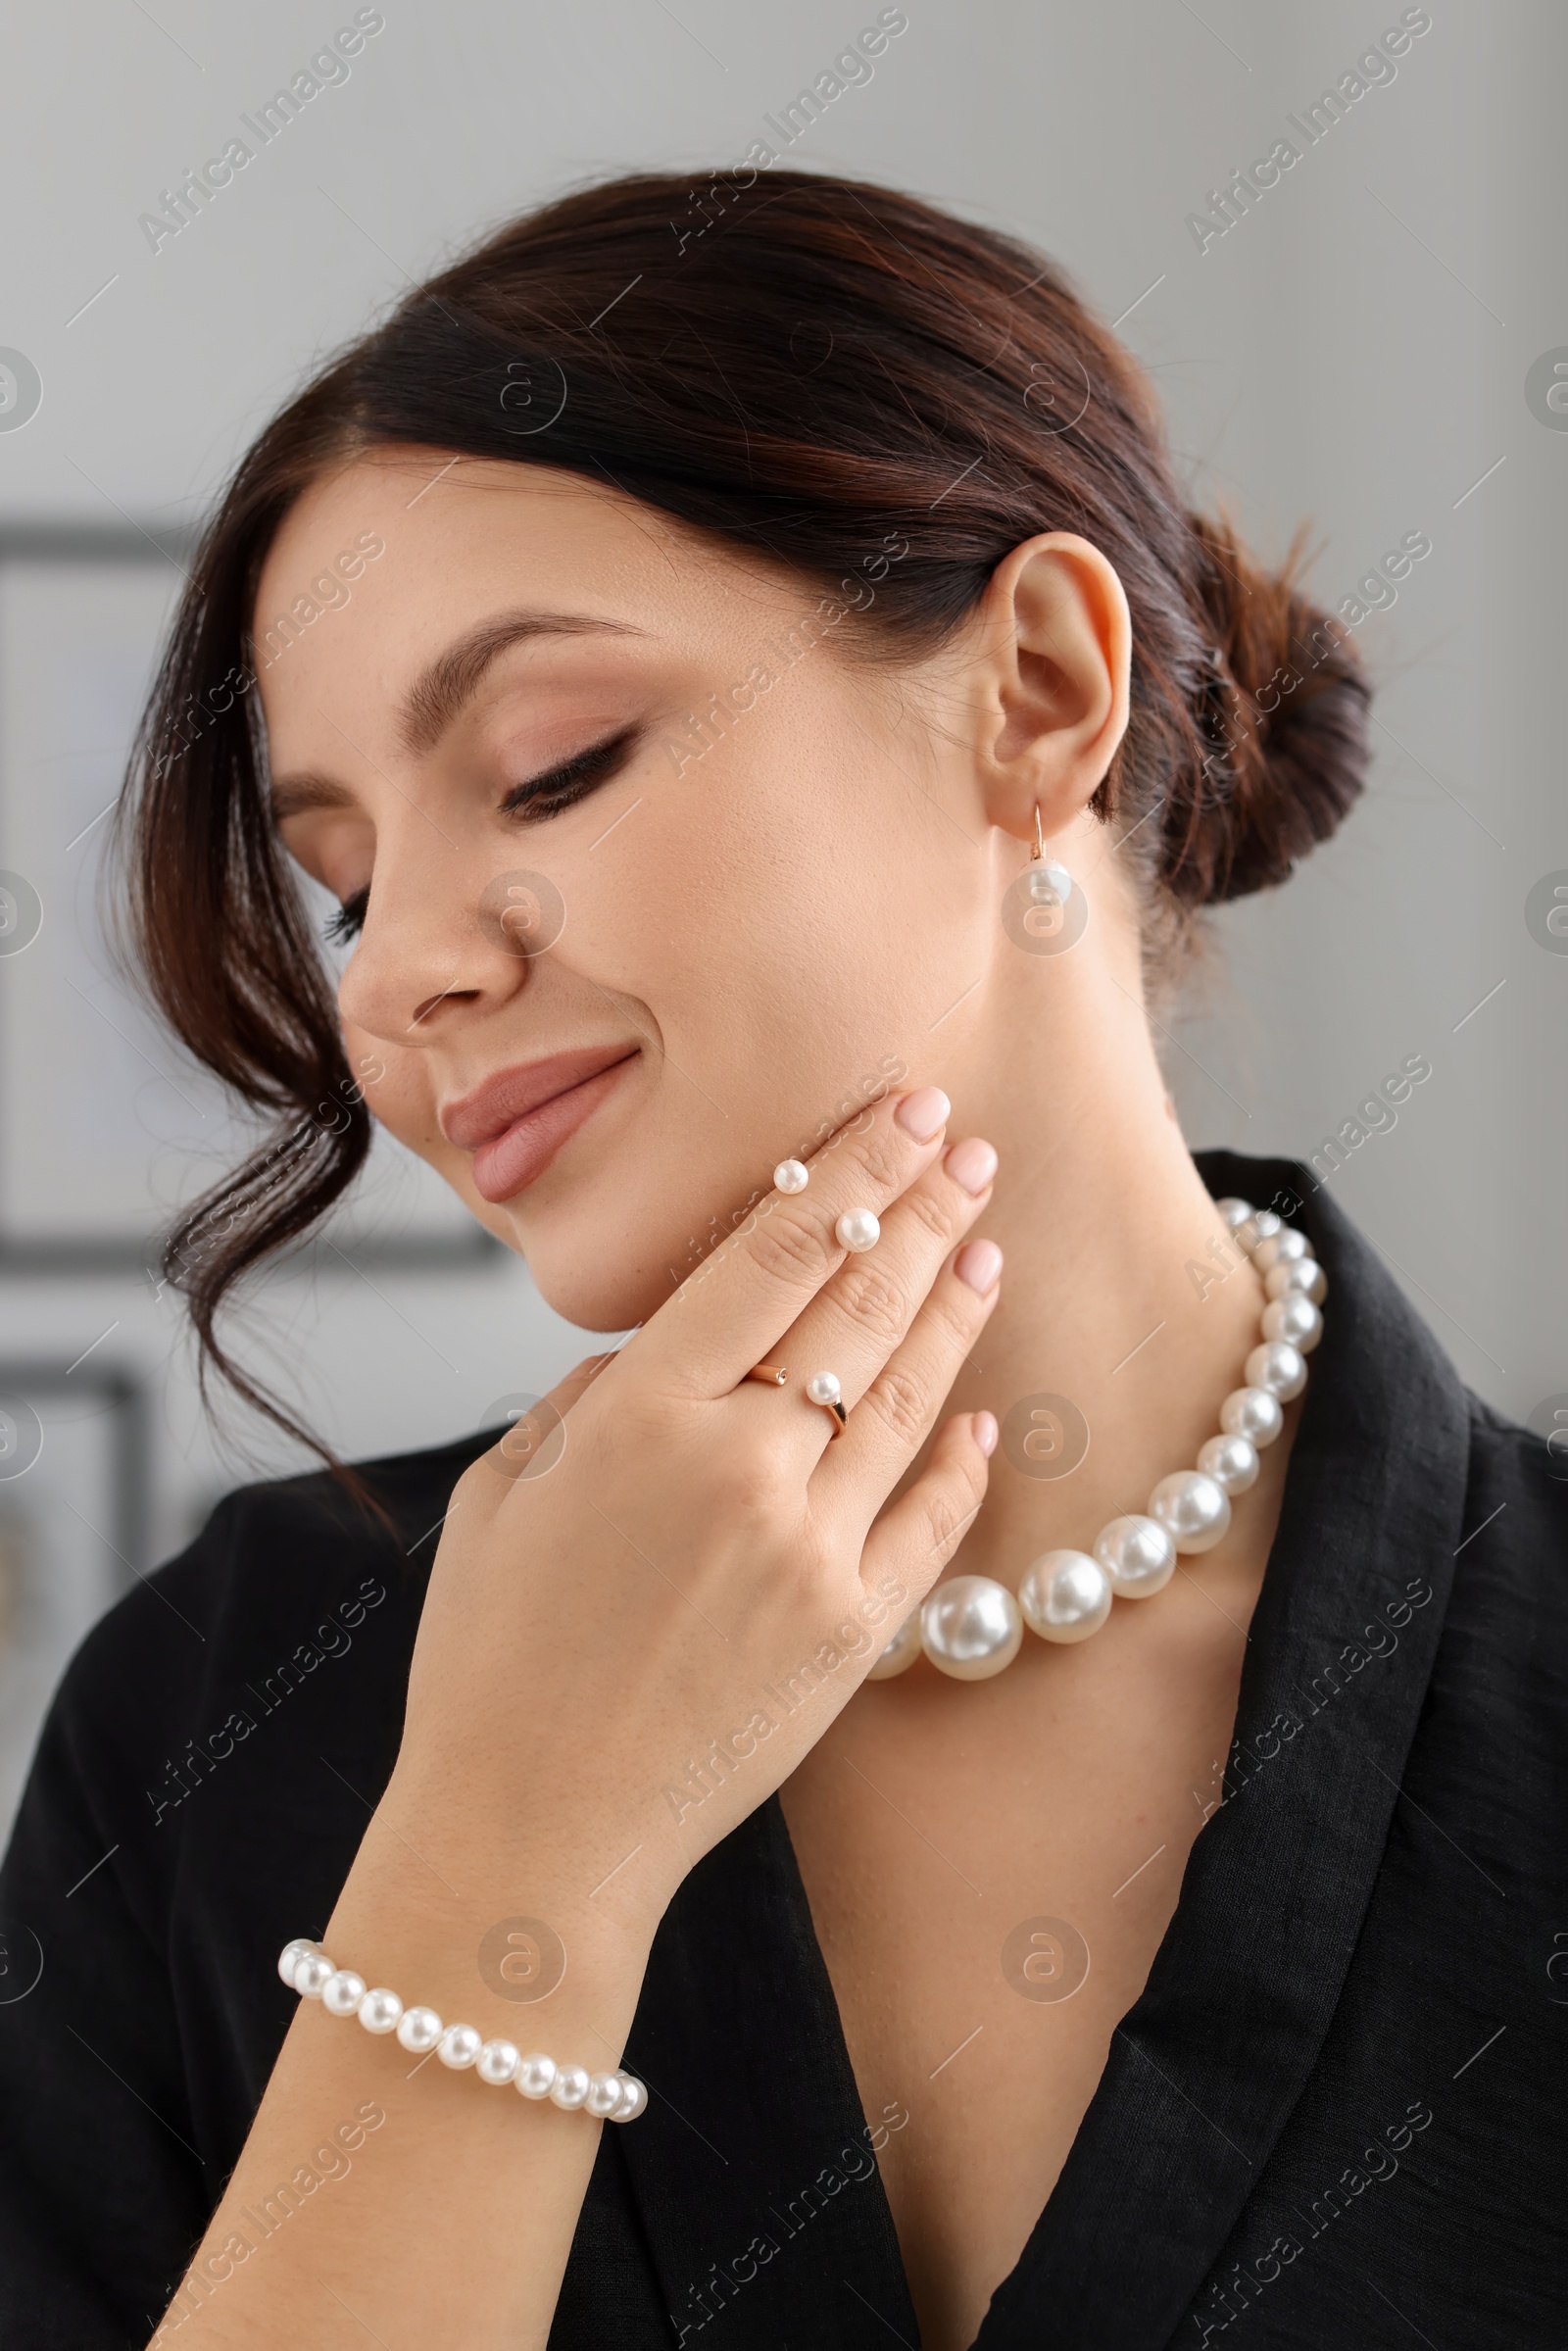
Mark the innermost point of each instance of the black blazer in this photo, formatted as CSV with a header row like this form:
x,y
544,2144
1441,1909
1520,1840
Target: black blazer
x,y
1334,2117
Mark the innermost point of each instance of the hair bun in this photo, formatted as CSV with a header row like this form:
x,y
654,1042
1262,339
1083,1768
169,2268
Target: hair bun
x,y
1283,720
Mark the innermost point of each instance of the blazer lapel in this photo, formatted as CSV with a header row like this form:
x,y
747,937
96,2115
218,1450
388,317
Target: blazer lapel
x,y
753,2167
1206,2066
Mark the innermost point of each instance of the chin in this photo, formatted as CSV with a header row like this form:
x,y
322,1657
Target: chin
x,y
604,1249
601,1298
598,1274
604,1239
612,1249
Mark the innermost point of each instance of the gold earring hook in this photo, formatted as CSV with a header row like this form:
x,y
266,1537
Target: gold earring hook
x,y
1038,849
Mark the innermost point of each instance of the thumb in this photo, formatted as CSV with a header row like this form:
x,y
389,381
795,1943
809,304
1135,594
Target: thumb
x,y
567,1392
534,1438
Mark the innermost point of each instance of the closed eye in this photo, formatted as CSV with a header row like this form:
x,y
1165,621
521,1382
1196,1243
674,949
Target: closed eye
x,y
349,920
562,786
537,798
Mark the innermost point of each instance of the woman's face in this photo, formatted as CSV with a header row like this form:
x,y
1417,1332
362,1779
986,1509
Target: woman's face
x,y
659,885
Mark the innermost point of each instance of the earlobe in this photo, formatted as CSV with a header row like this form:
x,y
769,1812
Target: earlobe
x,y
1059,657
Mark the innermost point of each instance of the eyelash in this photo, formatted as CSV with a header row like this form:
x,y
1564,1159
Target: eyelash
x,y
349,920
545,796
540,796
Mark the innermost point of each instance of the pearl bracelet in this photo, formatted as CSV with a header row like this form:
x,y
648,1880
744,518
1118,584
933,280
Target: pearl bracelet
x,y
612,2098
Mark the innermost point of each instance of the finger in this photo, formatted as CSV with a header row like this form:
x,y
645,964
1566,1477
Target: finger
x,y
903,1399
577,1380
866,1310
918,1535
535,1439
733,1309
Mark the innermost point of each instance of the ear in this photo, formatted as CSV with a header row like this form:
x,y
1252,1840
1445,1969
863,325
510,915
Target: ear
x,y
1050,690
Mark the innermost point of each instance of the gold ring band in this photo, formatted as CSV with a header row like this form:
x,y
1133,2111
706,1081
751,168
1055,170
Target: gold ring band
x,y
775,1375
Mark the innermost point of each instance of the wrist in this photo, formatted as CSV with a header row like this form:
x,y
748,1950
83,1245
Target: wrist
x,y
613,1877
518,1943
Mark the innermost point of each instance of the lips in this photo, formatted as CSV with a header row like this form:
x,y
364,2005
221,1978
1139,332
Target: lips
x,y
517,1121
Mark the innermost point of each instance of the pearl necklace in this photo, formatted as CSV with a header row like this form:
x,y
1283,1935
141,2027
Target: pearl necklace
x,y
971,1626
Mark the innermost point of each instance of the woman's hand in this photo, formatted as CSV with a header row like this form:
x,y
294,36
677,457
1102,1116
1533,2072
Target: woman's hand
x,y
633,1633
635,1630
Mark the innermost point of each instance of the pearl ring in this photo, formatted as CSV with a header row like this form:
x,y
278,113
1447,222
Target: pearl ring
x,y
822,1388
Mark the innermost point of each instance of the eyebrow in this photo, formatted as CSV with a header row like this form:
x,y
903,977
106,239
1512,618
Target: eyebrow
x,y
442,690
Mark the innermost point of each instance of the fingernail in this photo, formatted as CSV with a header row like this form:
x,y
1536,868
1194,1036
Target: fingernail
x,y
972,1163
986,1433
978,1264
923,1114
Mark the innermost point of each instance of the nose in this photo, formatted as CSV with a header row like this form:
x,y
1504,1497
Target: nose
x,y
427,957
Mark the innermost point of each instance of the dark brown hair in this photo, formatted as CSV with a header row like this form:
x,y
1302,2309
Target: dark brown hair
x,y
824,364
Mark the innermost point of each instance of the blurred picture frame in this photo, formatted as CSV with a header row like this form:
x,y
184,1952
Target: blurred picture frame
x,y
106,1129
74,1528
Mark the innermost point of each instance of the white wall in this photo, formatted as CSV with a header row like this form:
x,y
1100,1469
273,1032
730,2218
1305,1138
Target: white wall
x,y
1354,350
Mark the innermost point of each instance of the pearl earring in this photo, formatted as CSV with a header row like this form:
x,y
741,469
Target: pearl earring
x,y
791,1175
1047,880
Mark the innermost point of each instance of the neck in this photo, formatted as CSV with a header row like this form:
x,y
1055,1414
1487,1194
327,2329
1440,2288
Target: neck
x,y
1119,1292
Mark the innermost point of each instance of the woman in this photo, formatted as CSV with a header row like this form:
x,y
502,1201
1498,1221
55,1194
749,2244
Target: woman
x,y
769,722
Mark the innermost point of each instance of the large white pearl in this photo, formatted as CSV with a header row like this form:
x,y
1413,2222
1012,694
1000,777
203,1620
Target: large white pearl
x,y
379,2010
536,2077
859,1229
1253,1413
633,2098
901,1652
1277,1367
823,1388
1280,1248
1192,1510
1138,1554
458,2046
791,1175
312,1970
971,1628
569,2088
1262,1225
419,2031
290,1954
1064,1596
1301,1276
343,1991
1234,1212
604,2094
1231,1461
1295,1320
497,2063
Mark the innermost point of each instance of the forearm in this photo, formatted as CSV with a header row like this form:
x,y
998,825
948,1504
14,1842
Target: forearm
x,y
449,2220
453,2224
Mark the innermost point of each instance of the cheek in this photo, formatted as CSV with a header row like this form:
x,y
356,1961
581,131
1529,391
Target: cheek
x,y
764,892
403,1102
401,1097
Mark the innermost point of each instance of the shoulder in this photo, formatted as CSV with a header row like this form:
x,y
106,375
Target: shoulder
x,y
198,1794
1511,1569
1506,1615
1495,1724
283,1577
